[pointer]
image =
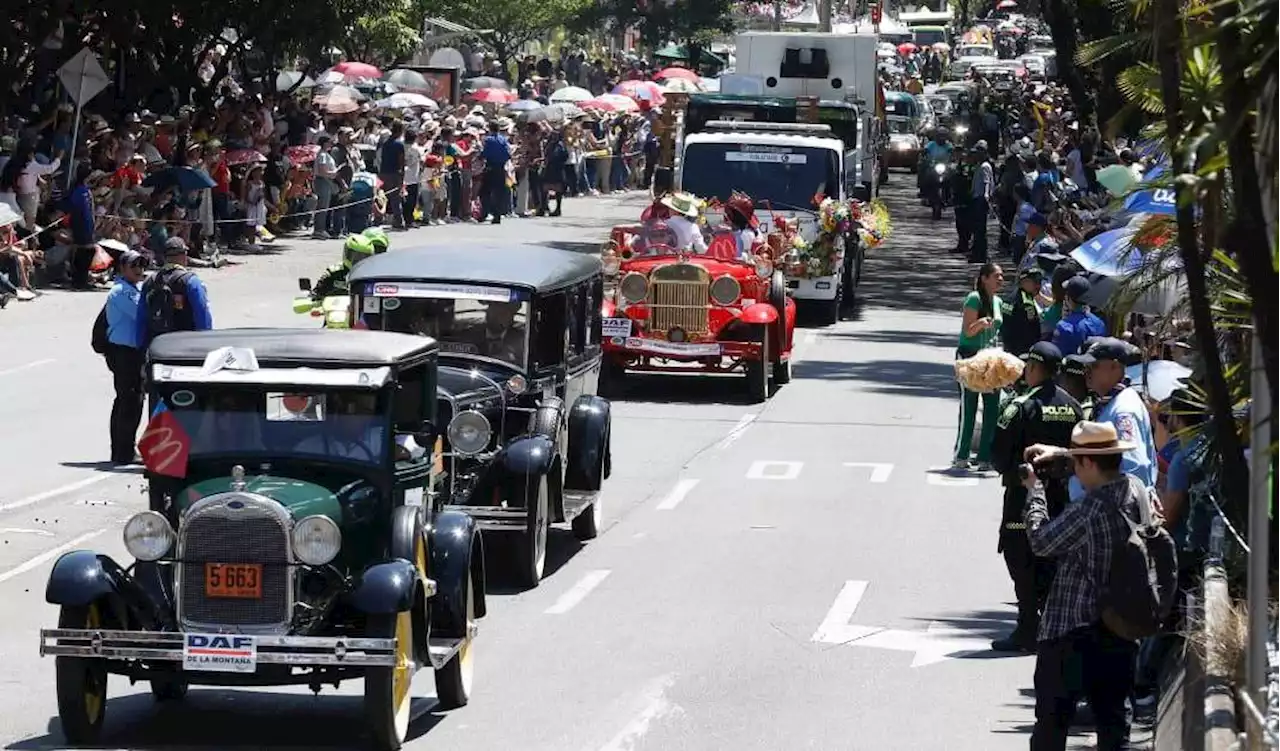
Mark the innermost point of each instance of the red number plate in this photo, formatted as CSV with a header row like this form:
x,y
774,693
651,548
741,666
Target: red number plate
x,y
238,580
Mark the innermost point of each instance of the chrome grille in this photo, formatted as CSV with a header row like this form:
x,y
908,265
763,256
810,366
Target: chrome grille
x,y
678,297
235,528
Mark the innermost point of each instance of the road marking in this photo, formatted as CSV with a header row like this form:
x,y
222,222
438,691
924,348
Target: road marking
x,y
943,479
808,337
18,531
937,643
28,366
47,556
736,431
677,494
68,488
578,592
879,472
655,706
769,470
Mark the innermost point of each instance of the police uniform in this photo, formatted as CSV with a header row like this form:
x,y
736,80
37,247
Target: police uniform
x,y
332,282
1074,366
1021,327
1043,414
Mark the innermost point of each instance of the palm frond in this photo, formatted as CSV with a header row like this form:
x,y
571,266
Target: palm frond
x,y
1141,84
1093,52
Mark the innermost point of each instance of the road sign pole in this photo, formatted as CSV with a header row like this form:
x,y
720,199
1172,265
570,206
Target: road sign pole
x,y
75,126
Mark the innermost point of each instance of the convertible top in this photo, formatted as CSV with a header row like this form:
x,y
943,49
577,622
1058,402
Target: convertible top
x,y
536,267
292,347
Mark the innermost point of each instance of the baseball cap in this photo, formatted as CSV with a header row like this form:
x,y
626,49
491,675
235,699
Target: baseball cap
x,y
1031,272
1110,348
1045,353
1076,287
1074,365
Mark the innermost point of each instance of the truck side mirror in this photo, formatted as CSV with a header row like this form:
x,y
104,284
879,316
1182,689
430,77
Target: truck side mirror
x,y
304,284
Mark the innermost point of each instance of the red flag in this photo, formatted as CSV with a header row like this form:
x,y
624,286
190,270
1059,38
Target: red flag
x,y
164,445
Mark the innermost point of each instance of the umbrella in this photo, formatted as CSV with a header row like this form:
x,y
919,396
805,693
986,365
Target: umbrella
x,y
673,72
186,179
680,86
571,94
637,90
906,48
552,113
407,100
289,80
1117,179
523,105
941,47
407,79
619,102
1110,253
1155,201
244,156
302,154
484,82
492,96
8,215
1006,4
599,104
350,69
339,100
1158,298
1157,378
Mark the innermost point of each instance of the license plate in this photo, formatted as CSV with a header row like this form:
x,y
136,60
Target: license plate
x,y
241,581
219,653
678,349
615,327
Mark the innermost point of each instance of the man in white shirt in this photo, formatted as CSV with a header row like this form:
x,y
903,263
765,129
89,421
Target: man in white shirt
x,y
415,150
326,173
684,222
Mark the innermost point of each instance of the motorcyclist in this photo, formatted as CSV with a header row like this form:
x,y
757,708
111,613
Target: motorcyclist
x,y
937,151
378,237
334,279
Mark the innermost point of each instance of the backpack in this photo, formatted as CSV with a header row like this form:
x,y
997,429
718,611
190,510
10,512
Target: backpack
x,y
1140,588
165,297
99,340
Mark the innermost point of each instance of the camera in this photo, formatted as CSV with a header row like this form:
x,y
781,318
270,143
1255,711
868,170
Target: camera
x,y
1056,469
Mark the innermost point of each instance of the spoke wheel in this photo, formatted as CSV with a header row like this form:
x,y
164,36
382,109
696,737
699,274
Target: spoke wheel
x,y
387,698
455,679
81,682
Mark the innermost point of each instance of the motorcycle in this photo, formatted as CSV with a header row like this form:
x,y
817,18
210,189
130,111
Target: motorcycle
x,y
333,310
938,188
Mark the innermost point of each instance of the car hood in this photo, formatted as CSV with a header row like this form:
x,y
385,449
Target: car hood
x,y
301,497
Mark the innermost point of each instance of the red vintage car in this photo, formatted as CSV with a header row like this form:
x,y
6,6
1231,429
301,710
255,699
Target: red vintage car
x,y
669,309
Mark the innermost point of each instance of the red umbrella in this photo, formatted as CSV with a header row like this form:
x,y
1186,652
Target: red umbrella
x,y
906,48
302,154
244,156
598,104
352,69
493,96
637,90
684,73
1006,4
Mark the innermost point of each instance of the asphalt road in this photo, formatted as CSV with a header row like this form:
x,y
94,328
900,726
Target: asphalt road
x,y
797,575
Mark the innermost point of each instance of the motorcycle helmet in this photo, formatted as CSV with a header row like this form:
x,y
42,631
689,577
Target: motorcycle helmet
x,y
356,249
378,238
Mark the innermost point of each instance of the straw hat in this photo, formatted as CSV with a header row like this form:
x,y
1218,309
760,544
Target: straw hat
x,y
1096,439
681,203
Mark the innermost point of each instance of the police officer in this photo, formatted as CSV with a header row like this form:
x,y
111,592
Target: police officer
x,y
1071,379
1044,414
1021,327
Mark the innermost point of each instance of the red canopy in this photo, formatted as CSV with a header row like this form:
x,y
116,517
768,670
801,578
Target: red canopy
x,y
684,73
352,69
493,96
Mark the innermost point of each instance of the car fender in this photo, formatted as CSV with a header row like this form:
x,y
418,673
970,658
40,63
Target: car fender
x,y
457,561
81,577
761,312
590,423
529,455
386,588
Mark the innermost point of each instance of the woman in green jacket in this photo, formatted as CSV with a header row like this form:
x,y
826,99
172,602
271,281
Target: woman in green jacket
x,y
979,328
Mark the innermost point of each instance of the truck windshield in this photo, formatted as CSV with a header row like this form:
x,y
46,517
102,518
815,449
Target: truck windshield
x,y
787,177
346,425
930,37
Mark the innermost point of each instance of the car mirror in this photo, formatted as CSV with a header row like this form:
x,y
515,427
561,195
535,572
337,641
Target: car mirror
x,y
304,284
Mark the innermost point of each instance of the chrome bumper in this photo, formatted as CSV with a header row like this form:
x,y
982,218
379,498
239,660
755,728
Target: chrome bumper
x,y
157,646
493,517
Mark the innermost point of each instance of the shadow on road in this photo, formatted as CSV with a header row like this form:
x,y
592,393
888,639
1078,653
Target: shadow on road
x,y
679,388
575,247
898,377
925,338
499,559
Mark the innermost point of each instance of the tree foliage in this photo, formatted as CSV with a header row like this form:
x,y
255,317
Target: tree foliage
x,y
511,23
693,23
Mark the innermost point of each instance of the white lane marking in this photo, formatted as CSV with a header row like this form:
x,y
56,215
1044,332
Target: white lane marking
x,y
774,470
19,531
736,431
835,627
578,592
28,366
808,337
941,479
655,706
47,556
68,488
677,494
879,472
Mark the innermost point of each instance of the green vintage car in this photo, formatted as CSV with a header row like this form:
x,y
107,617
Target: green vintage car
x,y
296,532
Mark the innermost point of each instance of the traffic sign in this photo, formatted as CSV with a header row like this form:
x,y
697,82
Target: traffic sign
x,y
83,77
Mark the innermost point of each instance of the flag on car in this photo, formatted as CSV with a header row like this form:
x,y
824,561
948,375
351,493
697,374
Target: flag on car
x,y
164,445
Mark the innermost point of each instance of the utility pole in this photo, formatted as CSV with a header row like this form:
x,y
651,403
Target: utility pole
x,y
824,16
777,15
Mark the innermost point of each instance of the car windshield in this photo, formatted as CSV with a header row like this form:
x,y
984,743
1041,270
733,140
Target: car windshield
x,y
345,425
464,326
977,50
900,126
786,177
940,104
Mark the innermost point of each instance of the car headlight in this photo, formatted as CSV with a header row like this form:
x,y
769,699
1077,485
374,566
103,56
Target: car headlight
x,y
469,432
517,384
148,536
940,168
764,267
634,287
725,290
962,129
316,540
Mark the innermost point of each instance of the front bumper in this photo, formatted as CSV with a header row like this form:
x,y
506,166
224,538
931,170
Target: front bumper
x,y
166,646
909,158
822,288
711,354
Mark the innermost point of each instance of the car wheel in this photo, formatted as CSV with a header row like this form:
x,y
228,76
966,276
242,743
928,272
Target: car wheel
x,y
387,698
532,560
168,689
782,373
586,525
454,680
81,683
612,375
758,370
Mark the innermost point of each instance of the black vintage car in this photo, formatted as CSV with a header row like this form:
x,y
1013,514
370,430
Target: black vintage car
x,y
295,534
527,438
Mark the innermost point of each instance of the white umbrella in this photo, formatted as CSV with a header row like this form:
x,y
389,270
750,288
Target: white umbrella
x,y
680,86
289,79
571,94
8,215
407,100
1157,378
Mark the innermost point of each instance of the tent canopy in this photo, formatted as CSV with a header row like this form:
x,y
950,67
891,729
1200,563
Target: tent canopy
x,y
678,52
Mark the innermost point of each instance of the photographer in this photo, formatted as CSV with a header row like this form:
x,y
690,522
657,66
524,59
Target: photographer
x,y
1077,654
1044,415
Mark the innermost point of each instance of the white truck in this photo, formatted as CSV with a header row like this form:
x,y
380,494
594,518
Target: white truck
x,y
781,166
832,67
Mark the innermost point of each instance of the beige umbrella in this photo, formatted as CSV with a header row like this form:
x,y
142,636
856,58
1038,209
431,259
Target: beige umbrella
x,y
680,86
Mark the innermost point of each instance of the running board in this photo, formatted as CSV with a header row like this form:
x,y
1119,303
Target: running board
x,y
441,649
577,501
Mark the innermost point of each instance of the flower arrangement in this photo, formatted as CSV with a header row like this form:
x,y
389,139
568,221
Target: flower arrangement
x,y
874,224
834,217
819,257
